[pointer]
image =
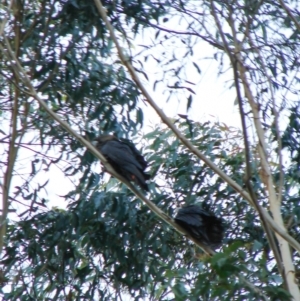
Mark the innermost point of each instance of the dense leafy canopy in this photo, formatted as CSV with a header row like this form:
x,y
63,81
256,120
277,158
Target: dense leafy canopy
x,y
106,244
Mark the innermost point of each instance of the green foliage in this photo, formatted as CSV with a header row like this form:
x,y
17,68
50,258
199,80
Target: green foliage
x,y
106,244
290,204
65,48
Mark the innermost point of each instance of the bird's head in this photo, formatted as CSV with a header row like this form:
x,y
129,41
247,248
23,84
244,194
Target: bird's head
x,y
103,139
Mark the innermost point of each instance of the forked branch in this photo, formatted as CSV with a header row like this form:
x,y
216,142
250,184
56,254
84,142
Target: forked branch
x,y
284,260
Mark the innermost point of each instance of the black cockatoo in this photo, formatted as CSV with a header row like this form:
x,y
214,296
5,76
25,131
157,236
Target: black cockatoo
x,y
201,225
124,158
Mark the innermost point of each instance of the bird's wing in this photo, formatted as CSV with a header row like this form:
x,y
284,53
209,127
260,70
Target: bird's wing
x,y
190,219
120,154
194,215
136,153
202,225
194,209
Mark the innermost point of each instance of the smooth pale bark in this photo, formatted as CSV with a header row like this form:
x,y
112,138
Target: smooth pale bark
x,y
266,176
276,224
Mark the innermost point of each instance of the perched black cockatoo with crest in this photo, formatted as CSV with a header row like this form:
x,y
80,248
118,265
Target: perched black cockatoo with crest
x,y
201,225
124,158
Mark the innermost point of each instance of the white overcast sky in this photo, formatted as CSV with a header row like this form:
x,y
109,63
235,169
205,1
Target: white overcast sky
x,y
213,100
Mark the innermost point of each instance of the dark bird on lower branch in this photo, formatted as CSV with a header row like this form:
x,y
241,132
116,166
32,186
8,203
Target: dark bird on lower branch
x,y
124,158
201,225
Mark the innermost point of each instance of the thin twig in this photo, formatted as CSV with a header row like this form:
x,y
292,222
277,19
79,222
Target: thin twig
x,y
253,287
290,14
276,119
3,23
180,32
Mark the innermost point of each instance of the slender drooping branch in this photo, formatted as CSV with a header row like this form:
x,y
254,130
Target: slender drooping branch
x,y
281,231
180,32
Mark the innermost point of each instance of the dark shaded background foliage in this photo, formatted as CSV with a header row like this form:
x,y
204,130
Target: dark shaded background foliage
x,y
107,243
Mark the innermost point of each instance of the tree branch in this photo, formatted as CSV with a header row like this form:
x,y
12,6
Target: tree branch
x,y
279,229
265,225
234,62
11,158
289,271
32,92
166,120
290,14
3,23
12,150
180,32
